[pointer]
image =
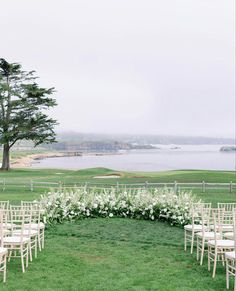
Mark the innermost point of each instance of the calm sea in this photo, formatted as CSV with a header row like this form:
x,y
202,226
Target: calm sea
x,y
166,157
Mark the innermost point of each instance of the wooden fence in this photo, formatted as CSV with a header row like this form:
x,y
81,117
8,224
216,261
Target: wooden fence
x,y
31,185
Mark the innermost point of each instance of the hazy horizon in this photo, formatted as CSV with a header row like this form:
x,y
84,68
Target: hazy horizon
x,y
120,67
142,134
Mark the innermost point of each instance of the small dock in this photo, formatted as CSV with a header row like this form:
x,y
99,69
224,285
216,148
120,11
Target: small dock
x,y
71,153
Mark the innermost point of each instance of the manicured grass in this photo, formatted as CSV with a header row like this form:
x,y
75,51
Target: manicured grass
x,y
113,254
70,176
18,181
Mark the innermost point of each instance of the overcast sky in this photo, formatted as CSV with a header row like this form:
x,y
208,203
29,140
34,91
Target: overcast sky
x,y
129,66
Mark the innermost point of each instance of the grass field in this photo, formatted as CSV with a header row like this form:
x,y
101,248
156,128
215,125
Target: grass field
x,y
114,254
18,181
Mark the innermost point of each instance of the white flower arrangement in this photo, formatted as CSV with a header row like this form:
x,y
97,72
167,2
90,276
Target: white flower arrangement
x,y
151,204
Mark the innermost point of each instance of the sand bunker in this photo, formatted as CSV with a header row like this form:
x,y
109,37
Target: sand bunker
x,y
106,177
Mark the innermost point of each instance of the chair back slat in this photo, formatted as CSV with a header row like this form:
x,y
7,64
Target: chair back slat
x,y
35,209
218,215
227,206
234,229
4,204
3,215
18,218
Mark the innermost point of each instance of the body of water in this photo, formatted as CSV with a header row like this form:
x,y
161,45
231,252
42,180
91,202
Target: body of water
x,y
166,157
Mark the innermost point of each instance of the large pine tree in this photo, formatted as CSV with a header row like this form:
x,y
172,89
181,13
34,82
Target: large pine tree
x,y
23,106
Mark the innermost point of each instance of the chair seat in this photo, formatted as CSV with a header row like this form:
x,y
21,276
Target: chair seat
x,y
229,235
35,226
26,232
227,227
230,255
196,227
3,251
6,231
15,240
224,227
222,243
9,225
208,235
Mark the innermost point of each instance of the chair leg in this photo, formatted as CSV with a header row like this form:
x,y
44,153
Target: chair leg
x,y
223,261
197,248
192,242
43,240
215,262
27,255
209,261
5,269
227,274
22,259
235,282
10,253
36,245
185,242
202,250
39,242
30,251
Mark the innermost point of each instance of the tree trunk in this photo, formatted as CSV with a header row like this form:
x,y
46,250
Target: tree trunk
x,y
6,158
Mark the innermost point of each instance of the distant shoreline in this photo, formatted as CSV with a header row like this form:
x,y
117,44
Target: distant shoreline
x,y
27,161
171,156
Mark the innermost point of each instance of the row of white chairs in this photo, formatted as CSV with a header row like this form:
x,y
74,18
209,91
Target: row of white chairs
x,y
213,230
21,233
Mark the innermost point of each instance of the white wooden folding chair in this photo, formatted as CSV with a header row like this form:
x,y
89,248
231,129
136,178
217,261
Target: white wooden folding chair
x,y
206,233
36,223
218,246
18,245
28,232
230,258
4,205
190,230
3,251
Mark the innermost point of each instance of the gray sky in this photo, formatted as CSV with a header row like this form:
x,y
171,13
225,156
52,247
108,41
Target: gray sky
x,y
129,66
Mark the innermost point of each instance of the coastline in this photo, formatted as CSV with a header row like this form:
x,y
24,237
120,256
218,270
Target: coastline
x,y
165,158
28,160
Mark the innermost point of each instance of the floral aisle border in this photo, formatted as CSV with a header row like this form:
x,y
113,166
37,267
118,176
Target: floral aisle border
x,y
150,204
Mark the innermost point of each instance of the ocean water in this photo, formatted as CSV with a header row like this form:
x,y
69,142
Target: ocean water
x,y
166,157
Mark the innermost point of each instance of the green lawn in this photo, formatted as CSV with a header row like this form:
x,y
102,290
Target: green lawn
x,y
18,181
115,253
70,176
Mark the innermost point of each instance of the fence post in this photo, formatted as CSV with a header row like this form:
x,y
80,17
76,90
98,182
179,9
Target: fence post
x,y
31,185
231,186
175,187
203,187
117,186
146,184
